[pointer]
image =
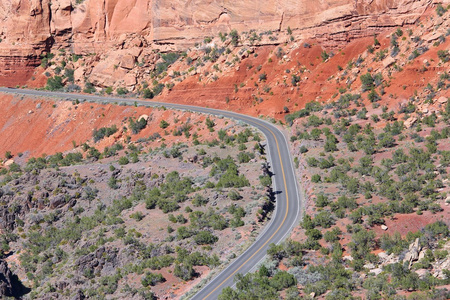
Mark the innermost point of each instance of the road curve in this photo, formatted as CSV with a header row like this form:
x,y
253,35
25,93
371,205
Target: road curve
x,y
285,185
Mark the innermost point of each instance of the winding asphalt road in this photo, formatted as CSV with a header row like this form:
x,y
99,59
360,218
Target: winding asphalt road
x,y
285,185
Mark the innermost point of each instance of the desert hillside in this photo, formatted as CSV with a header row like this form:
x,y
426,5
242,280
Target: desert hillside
x,y
121,201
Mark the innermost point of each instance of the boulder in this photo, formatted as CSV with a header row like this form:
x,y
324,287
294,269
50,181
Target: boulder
x,y
442,100
388,61
376,271
433,36
413,252
79,74
8,162
145,117
128,62
421,255
57,201
422,273
129,80
79,295
369,266
410,121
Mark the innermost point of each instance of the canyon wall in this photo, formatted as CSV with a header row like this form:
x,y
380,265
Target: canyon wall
x,y
32,27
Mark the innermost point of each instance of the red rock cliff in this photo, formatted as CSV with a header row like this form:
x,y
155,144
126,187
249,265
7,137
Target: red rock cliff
x,y
31,27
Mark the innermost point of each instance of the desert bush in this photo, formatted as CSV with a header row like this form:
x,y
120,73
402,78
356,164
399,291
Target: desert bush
x,y
205,238
199,200
443,55
163,124
151,279
245,157
54,83
367,82
323,219
123,160
234,37
138,216
168,59
393,243
324,55
440,10
234,195
184,271
316,178
103,132
137,125
121,91
437,229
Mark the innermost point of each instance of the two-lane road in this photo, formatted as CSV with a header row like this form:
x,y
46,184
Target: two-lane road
x,y
285,185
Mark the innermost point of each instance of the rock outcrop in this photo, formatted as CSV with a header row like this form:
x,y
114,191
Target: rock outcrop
x,y
413,252
6,287
30,28
10,286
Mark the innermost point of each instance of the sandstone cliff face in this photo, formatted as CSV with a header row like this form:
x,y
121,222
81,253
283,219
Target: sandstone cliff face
x,y
31,27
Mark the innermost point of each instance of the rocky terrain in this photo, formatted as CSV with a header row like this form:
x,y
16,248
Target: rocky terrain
x,y
268,72
118,217
137,28
362,89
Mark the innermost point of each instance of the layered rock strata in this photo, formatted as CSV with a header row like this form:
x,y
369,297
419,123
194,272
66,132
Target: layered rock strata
x,y
29,28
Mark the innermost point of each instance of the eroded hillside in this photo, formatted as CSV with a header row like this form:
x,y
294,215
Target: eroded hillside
x,y
363,89
137,28
146,202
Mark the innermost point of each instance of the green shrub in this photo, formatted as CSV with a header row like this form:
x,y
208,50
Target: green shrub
x,y
163,124
373,96
234,37
54,83
137,126
121,91
440,10
205,237
157,89
138,216
437,230
152,279
69,73
99,134
109,90
283,280
234,195
209,123
168,59
184,271
316,178
245,157
262,77
443,55
367,82
199,200
265,180
147,93
8,155
89,88
123,160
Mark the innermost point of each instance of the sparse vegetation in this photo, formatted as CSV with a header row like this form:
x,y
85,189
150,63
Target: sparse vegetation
x,y
103,132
